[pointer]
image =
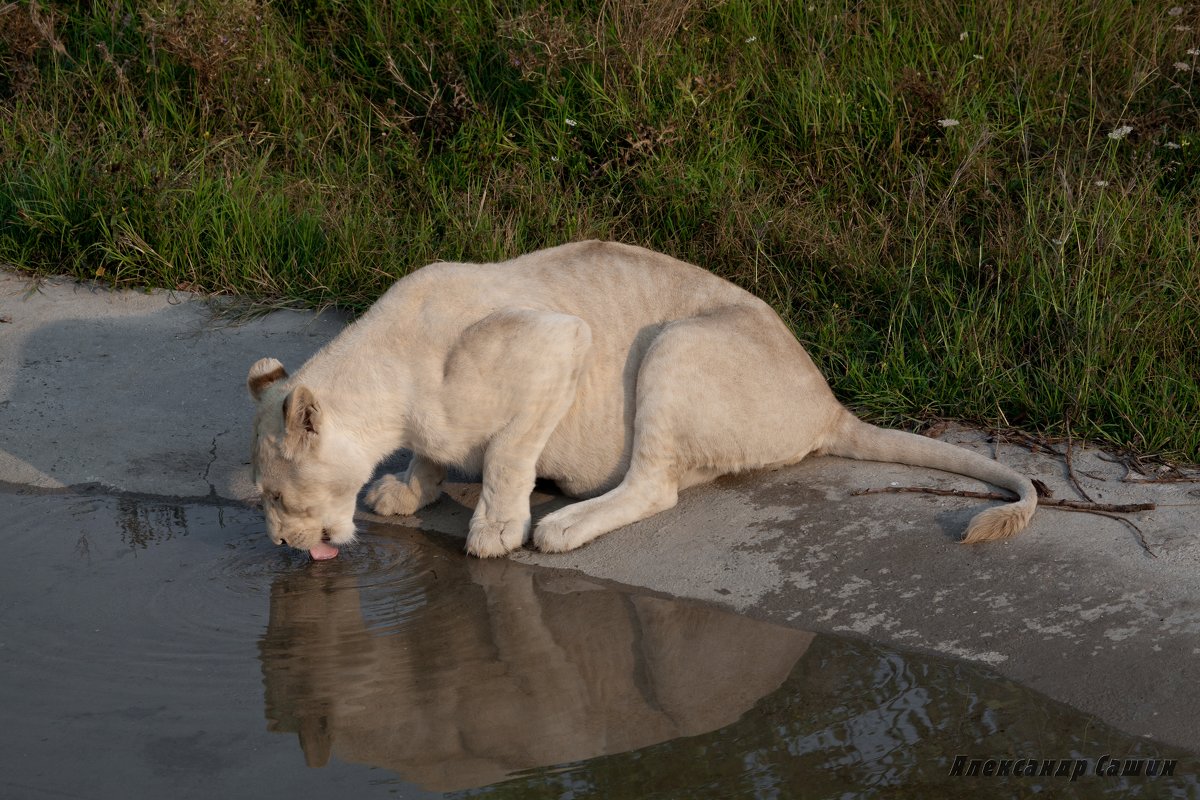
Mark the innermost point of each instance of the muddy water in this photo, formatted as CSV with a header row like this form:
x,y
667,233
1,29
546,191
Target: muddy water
x,y
150,649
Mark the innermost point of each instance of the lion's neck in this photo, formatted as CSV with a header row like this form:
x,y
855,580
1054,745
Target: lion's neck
x,y
369,407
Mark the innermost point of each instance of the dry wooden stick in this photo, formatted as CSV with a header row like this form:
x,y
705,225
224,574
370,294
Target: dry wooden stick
x,y
1176,475
1066,505
1071,468
1167,479
1110,510
1141,537
1020,437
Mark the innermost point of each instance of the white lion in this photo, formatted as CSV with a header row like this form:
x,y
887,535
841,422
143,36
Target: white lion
x,y
622,374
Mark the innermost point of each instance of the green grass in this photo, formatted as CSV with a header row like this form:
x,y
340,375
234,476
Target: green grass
x,y
1019,268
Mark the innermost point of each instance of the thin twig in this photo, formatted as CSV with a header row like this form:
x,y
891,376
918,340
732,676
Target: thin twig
x,y
1141,537
1071,468
1066,505
1165,479
1167,472
1110,510
1034,444
1124,461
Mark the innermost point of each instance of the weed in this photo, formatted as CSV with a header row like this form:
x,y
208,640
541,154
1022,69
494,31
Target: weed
x,y
986,210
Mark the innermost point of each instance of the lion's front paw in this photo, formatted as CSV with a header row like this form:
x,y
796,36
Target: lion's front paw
x,y
489,538
390,497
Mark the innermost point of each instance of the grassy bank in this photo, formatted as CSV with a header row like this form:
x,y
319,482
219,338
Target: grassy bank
x,y
987,210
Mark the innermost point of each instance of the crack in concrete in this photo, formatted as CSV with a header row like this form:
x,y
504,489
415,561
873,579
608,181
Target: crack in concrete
x,y
212,489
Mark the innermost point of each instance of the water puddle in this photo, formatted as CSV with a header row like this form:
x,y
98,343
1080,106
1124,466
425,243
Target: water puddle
x,y
151,649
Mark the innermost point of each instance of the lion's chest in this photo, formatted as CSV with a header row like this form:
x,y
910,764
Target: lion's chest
x,y
429,435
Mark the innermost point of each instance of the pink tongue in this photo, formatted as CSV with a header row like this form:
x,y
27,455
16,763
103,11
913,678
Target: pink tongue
x,y
323,552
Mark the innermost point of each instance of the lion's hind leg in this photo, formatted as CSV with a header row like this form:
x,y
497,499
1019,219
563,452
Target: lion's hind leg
x,y
722,392
404,494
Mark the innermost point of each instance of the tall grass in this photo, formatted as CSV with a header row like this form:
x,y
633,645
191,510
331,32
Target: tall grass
x,y
941,198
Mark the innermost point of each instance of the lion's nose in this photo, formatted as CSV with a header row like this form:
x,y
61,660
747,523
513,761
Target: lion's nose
x,y
281,540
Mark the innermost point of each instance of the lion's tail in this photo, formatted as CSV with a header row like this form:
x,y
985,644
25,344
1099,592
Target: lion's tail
x,y
854,438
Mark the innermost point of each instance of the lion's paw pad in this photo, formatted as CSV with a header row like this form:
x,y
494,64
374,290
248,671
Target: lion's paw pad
x,y
494,538
390,497
555,536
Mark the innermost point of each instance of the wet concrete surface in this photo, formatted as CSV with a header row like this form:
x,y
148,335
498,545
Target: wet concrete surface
x,y
144,393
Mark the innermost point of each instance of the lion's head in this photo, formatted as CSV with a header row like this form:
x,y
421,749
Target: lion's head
x,y
309,473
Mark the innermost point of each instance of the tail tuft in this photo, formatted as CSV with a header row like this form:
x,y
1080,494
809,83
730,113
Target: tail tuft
x,y
1000,522
853,438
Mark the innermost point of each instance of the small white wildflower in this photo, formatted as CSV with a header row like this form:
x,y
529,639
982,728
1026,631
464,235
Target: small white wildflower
x,y
1059,242
1102,184
1171,145
1182,67
554,159
947,123
978,57
962,37
1177,11
750,39
1183,28
1121,132
571,122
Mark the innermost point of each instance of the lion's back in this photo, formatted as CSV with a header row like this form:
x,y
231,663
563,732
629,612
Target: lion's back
x,y
625,294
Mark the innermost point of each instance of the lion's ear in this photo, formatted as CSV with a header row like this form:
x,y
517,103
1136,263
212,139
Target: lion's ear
x,y
265,372
301,419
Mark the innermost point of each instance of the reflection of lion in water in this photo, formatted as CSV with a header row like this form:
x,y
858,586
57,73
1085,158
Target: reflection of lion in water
x,y
502,667
622,374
